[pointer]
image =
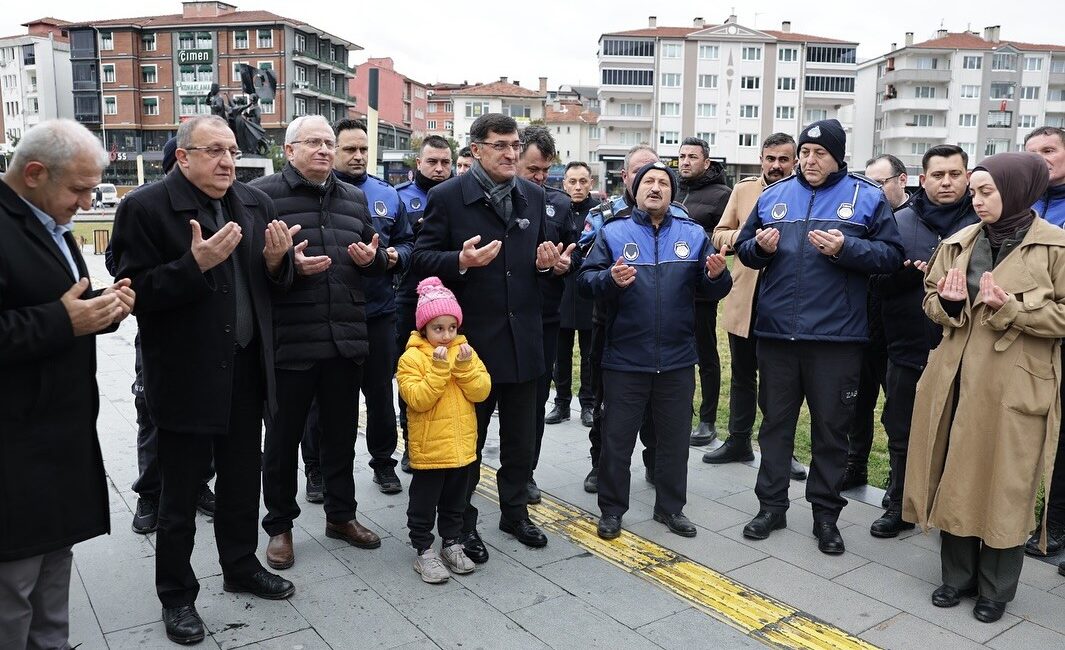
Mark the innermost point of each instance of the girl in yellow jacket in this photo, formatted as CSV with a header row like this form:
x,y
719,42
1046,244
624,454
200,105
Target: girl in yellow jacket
x,y
440,378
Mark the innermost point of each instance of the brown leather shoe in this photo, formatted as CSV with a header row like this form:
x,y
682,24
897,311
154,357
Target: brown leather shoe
x,y
279,553
353,533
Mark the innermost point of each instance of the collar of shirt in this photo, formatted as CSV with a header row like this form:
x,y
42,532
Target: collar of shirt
x,y
53,228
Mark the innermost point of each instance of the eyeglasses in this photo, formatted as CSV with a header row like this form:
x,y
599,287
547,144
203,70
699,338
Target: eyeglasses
x,y
503,146
216,151
315,143
884,182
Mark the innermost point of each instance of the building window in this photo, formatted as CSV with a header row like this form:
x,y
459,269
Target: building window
x,y
786,83
996,146
265,38
1029,92
110,106
150,105
825,84
1057,65
109,73
1001,91
970,92
670,50
1003,61
816,115
785,112
749,111
204,41
748,139
1056,95
924,92
709,52
476,109
972,62
671,80
999,119
301,73
266,65
787,54
706,110
967,119
632,137
149,74
630,110
186,41
107,41
593,133
301,42
626,47
750,53
918,148
923,119
625,77
301,106
1027,121
826,54
148,42
969,148
240,39
927,63
268,108
517,110
878,123
709,137
449,125
750,83
669,137
194,106
431,125
669,109
708,81
1033,63
236,69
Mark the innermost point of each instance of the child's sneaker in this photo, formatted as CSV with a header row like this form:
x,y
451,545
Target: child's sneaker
x,y
432,570
453,555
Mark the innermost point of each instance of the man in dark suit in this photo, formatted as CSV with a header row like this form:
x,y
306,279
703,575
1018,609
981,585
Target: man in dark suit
x,y
207,342
497,287
49,400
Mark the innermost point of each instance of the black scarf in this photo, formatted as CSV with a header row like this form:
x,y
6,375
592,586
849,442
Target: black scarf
x,y
425,183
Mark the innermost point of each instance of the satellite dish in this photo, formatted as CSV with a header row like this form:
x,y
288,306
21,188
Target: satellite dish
x,y
261,83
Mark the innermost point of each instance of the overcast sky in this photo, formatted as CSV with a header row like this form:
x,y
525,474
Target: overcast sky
x,y
481,40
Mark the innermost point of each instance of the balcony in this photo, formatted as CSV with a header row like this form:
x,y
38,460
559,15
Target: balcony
x,y
309,89
1055,106
914,132
310,56
913,104
915,75
627,120
1056,79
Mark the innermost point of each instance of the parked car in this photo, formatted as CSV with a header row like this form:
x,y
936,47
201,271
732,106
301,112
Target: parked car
x,y
104,195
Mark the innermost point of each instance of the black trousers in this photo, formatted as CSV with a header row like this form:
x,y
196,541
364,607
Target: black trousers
x,y
148,484
967,562
334,383
405,324
378,370
627,398
564,368
543,388
436,495
743,387
709,361
517,442
901,391
825,374
872,378
183,460
595,437
1055,498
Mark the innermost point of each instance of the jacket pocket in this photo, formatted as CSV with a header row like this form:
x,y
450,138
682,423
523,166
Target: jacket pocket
x,y
1031,386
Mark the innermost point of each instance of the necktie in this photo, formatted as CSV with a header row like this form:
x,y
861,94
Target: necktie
x,y
245,316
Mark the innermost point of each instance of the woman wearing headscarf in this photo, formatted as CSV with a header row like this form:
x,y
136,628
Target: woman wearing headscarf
x,y
985,422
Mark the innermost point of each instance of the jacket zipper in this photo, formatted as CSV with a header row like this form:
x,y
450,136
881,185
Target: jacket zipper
x,y
802,257
658,310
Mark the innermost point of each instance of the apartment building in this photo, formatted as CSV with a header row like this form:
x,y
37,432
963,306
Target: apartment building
x,y
440,115
136,79
966,88
34,78
401,101
577,134
503,96
728,84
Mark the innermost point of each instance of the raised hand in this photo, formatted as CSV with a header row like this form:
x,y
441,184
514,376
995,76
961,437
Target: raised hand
x,y
92,315
310,265
363,254
828,242
278,241
952,286
622,273
465,352
213,251
716,264
473,257
440,353
565,258
991,294
767,239
126,297
547,255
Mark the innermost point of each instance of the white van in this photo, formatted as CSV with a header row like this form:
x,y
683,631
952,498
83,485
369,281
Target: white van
x,y
104,195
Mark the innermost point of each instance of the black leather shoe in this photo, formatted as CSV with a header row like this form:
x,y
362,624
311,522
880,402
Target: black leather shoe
x,y
736,449
591,482
587,418
525,530
609,526
829,541
315,487
183,624
885,503
703,435
205,501
387,481
947,596
534,492
890,524
987,610
1061,569
765,523
263,584
798,472
854,476
677,524
146,519
475,548
558,414
404,463
1055,541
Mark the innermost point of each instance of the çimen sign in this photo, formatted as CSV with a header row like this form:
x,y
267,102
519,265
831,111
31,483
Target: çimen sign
x,y
195,56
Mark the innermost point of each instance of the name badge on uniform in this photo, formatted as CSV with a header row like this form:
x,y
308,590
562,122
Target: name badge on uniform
x,y
779,210
682,249
550,210
380,208
845,211
631,251
415,204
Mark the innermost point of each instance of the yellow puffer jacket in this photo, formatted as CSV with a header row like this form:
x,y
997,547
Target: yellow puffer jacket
x,y
440,395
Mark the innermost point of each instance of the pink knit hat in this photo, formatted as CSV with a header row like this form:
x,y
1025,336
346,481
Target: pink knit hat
x,y
434,299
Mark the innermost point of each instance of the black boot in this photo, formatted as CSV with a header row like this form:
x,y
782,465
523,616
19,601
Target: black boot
x,y
703,435
591,482
557,414
854,476
736,449
1055,541
183,624
890,524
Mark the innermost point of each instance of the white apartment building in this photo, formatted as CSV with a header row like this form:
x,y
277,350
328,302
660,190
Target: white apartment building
x,y
577,135
974,90
728,84
35,79
502,96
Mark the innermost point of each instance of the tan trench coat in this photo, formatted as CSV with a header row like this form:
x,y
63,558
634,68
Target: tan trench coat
x,y
977,475
736,316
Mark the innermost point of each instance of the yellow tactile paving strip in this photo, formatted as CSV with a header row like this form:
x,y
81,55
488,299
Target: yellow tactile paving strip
x,y
755,614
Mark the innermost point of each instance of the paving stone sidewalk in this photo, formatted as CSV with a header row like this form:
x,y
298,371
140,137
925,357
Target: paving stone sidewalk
x,y
559,596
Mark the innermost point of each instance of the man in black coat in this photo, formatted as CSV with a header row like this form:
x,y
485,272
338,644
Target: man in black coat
x,y
497,287
49,400
321,341
205,253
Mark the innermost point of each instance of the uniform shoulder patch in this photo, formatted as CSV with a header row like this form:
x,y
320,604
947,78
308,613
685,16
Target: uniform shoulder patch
x,y
403,185
864,178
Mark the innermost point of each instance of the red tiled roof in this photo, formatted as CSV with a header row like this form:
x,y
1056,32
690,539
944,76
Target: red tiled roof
x,y
970,41
497,89
681,32
571,113
794,37
48,21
